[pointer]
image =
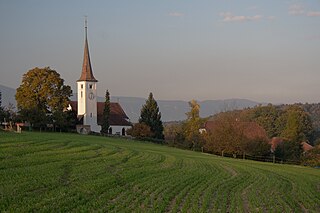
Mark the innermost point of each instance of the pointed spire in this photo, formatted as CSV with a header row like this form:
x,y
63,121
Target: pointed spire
x,y
86,74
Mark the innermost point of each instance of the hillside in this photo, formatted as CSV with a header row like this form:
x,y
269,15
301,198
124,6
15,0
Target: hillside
x,y
8,95
74,173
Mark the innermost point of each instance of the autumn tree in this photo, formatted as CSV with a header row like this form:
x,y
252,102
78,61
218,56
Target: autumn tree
x,y
41,92
191,127
226,135
171,130
297,128
151,116
140,131
106,114
298,125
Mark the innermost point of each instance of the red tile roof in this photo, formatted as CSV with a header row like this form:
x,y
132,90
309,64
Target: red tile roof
x,y
275,142
117,116
306,147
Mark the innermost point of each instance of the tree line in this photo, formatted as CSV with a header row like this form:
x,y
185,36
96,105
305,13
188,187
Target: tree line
x,y
248,132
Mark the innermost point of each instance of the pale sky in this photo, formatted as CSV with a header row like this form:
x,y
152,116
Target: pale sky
x,y
267,51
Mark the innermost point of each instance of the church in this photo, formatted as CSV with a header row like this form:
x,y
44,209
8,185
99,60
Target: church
x,y
90,111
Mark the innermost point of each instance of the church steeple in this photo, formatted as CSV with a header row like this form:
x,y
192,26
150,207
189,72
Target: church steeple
x,y
86,74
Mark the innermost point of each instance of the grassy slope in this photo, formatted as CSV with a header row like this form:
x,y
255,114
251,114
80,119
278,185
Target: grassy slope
x,y
68,172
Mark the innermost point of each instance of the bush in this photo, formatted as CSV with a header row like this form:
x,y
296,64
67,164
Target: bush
x,y
140,131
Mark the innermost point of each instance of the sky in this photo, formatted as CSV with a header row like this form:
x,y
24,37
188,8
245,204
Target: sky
x,y
266,51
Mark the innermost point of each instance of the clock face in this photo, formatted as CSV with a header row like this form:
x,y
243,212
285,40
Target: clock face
x,y
91,96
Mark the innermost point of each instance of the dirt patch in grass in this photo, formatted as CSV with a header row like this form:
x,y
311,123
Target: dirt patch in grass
x,y
230,170
65,177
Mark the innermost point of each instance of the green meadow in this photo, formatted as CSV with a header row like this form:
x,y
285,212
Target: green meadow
x,y
52,172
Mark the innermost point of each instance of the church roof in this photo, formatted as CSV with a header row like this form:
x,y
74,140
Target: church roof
x,y
117,115
86,74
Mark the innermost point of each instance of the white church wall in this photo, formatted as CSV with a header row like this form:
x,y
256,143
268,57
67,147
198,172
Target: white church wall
x,y
117,130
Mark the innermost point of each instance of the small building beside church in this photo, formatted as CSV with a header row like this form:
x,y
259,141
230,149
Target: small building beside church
x,y
90,111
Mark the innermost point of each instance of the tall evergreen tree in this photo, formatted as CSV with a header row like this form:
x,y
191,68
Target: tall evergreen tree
x,y
151,116
106,114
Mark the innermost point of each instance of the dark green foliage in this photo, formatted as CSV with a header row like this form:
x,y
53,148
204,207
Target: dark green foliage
x,y
298,125
288,121
8,113
289,151
37,118
314,111
268,118
106,114
257,147
64,120
151,116
4,115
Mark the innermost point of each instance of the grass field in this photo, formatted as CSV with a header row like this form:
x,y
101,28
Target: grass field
x,y
68,172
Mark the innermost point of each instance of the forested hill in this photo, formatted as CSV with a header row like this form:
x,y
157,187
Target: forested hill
x,y
314,112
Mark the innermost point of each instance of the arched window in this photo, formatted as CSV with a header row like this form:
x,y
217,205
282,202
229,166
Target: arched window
x,y
123,131
110,131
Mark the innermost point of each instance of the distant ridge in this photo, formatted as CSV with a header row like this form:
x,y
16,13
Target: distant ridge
x,y
8,96
170,110
176,110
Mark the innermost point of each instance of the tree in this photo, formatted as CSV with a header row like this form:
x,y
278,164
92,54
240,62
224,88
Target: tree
x,y
64,120
267,117
4,116
192,126
151,116
106,114
227,135
8,114
298,125
140,131
41,92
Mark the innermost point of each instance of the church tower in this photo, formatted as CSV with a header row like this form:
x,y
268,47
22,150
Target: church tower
x,y
87,90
